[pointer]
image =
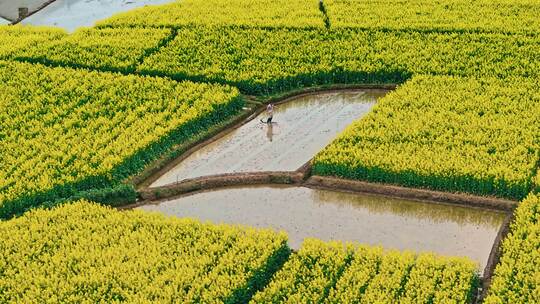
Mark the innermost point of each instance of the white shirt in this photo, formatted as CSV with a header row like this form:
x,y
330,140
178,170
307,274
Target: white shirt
x,y
270,109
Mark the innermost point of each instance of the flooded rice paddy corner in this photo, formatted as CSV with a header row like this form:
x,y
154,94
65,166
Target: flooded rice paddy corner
x,y
330,215
303,126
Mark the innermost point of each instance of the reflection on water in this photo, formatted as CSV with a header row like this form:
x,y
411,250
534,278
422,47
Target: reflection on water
x,y
72,14
270,132
376,94
299,130
437,213
328,215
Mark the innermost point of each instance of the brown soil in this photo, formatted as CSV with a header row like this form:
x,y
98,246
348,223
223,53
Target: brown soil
x,y
220,181
301,178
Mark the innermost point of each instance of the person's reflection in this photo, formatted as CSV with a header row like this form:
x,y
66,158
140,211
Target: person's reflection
x,y
269,131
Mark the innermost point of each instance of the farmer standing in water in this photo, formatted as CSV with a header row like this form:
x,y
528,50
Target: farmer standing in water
x,y
270,113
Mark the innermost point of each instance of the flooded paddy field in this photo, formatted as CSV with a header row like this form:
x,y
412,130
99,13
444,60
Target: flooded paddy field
x,y
9,9
328,215
301,128
72,14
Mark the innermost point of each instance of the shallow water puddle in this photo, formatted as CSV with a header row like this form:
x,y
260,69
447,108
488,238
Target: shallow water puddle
x,y
302,128
72,14
327,215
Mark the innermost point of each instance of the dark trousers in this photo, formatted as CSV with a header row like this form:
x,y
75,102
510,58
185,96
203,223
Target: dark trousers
x,y
269,120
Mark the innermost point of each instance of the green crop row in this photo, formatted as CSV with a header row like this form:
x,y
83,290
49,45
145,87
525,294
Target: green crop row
x,y
517,276
337,273
505,16
236,13
263,61
66,130
308,275
461,16
446,133
86,253
17,38
104,49
396,277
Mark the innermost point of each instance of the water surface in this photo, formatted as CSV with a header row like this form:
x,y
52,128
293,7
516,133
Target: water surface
x,y
72,14
302,128
328,215
9,9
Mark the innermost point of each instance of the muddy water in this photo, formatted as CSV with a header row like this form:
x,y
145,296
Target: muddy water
x,y
72,14
302,128
9,9
328,215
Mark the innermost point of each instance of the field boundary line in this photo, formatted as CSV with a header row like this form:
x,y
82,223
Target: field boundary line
x,y
149,52
301,178
324,12
495,256
221,181
356,186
